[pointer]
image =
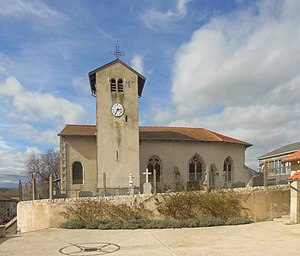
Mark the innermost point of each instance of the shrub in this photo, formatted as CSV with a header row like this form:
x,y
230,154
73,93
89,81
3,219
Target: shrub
x,y
155,224
127,212
238,221
223,205
195,204
178,205
185,209
91,211
73,224
87,210
94,224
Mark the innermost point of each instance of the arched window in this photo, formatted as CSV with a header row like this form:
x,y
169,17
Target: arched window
x,y
113,87
77,173
196,168
154,163
228,169
120,85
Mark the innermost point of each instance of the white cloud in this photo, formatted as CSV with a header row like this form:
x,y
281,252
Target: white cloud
x,y
32,150
81,85
266,127
27,132
228,66
239,75
36,106
2,70
137,63
160,115
155,19
12,162
21,8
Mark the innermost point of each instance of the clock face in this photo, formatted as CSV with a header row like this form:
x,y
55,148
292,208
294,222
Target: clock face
x,y
117,109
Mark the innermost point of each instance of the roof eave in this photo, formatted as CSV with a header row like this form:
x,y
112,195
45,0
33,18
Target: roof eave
x,y
276,155
194,140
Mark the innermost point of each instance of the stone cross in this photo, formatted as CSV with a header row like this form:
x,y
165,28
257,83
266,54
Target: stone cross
x,y
147,173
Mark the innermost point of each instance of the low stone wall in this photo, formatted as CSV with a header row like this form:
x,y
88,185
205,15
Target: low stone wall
x,y
266,204
41,214
261,204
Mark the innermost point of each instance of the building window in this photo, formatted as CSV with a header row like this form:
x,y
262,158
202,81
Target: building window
x,y
113,87
228,169
287,168
196,168
154,163
77,173
120,85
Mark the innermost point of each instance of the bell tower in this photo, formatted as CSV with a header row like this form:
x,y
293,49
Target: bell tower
x,y
117,88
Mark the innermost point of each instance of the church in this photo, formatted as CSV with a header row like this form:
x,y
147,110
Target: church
x,y
107,158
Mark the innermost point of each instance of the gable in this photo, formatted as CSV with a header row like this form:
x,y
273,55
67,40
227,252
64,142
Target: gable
x,y
92,75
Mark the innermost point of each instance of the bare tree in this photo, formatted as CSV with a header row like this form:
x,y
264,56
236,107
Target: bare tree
x,y
41,166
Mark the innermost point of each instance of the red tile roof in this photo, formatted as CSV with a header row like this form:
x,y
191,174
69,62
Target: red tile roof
x,y
292,157
160,133
295,177
184,134
78,130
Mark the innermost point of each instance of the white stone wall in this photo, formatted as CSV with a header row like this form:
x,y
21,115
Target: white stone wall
x,y
261,204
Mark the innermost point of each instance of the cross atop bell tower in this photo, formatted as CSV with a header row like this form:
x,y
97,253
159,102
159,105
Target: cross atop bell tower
x,y
117,51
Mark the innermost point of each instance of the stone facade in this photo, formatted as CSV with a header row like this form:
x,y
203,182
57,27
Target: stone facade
x,y
175,157
79,149
117,136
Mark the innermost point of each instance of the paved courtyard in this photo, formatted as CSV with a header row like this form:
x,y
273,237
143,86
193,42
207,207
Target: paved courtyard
x,y
264,238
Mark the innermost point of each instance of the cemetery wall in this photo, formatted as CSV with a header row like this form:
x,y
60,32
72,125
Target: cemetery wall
x,y
261,204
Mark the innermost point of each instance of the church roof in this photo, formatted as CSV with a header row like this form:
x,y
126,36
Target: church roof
x,y
160,133
185,134
78,130
92,76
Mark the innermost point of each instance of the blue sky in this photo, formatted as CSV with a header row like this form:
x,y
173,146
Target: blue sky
x,y
228,66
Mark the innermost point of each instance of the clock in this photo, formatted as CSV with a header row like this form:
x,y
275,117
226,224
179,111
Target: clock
x,y
117,109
